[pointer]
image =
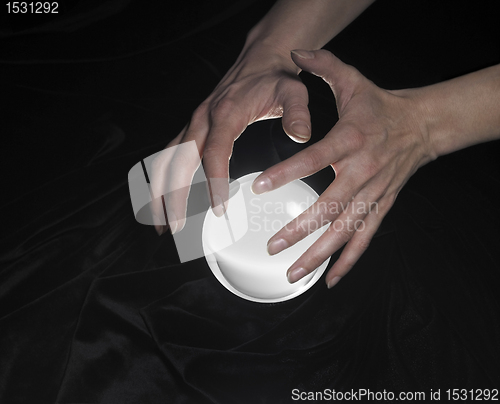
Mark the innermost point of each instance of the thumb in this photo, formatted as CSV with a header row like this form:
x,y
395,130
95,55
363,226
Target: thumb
x,y
342,78
296,118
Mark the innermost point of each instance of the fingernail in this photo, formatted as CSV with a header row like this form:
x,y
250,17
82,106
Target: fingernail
x,y
301,129
304,54
218,208
296,274
277,246
334,281
172,223
261,186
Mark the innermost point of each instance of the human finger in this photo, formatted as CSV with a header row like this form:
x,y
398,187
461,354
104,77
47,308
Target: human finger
x,y
226,125
182,167
340,231
335,200
296,119
337,144
342,78
157,183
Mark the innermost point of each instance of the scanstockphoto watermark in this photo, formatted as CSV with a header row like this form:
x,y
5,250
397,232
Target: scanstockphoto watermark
x,y
358,395
319,213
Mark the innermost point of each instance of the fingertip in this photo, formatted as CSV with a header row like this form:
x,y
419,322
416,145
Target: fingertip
x,y
159,224
332,282
296,118
219,205
180,225
300,131
159,229
176,226
218,210
261,185
296,274
277,246
173,223
218,193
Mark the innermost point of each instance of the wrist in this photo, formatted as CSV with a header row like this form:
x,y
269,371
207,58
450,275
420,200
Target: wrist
x,y
438,109
268,51
460,112
429,118
423,124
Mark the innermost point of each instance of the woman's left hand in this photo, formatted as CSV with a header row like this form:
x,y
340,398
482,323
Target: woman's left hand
x,y
380,140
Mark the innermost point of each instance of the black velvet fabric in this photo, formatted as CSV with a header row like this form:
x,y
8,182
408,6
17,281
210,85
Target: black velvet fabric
x,y
95,308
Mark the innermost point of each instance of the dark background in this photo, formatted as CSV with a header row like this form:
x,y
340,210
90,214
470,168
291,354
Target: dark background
x,y
94,308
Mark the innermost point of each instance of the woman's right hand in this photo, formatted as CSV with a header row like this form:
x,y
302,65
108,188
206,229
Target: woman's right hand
x,y
262,84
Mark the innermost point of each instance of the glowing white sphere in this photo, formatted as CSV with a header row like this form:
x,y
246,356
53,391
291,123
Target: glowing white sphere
x,y
235,245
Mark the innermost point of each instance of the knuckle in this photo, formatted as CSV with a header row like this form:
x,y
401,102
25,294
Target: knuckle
x,y
312,260
297,108
297,233
317,259
158,163
325,55
315,158
209,154
201,111
352,71
224,108
371,168
302,226
180,160
327,207
214,155
294,230
354,138
385,203
363,244
343,233
212,150
305,227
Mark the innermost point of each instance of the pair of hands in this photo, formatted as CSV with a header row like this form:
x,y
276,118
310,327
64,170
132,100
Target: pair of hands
x,y
379,141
